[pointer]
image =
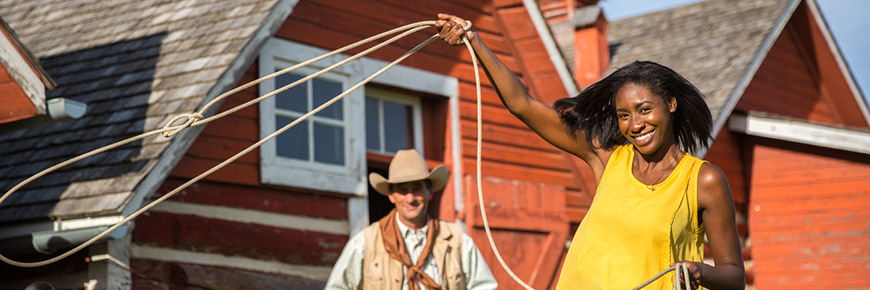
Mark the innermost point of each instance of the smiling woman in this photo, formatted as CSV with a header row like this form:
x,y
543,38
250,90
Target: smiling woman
x,y
655,202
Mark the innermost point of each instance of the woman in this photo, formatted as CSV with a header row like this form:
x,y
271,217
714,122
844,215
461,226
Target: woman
x,y
636,129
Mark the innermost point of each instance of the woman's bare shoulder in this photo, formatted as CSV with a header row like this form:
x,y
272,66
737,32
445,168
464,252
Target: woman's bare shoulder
x,y
713,188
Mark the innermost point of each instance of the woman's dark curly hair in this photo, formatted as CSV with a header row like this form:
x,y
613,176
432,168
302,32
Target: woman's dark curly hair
x,y
593,111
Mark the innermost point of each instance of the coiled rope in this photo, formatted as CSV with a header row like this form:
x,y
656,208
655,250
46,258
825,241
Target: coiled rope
x,y
196,119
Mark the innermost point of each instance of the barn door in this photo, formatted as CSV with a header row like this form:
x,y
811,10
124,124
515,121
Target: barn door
x,y
529,225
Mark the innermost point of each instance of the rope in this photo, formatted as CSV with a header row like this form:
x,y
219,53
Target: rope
x,y
479,183
480,192
196,119
680,268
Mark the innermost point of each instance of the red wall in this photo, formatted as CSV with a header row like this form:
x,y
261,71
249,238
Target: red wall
x,y
514,157
16,104
800,78
809,217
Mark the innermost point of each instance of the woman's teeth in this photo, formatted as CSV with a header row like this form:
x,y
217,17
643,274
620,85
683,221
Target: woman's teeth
x,y
644,137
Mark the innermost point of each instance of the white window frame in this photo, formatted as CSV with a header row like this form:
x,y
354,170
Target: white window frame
x,y
416,116
343,123
351,179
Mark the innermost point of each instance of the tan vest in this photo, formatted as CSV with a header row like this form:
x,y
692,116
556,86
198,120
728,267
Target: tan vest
x,y
382,272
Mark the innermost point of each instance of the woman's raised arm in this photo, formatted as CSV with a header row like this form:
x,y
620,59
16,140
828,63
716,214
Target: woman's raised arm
x,y
542,119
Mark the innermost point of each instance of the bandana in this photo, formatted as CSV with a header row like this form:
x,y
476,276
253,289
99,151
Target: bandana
x,y
395,246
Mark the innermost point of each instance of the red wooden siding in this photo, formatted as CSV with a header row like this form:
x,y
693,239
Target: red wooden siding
x,y
150,274
784,84
809,217
800,78
16,104
832,81
267,199
728,153
529,227
224,138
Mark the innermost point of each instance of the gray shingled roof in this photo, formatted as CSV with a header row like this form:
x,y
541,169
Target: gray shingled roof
x,y
714,43
136,64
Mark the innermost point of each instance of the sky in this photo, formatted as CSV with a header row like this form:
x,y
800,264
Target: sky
x,y
848,21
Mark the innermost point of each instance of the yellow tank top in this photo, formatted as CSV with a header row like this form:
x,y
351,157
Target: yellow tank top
x,y
632,232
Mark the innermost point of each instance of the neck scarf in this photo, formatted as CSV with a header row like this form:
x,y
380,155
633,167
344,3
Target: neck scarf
x,y
394,243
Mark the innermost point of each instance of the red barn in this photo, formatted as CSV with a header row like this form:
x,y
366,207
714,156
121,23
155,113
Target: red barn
x,y
279,216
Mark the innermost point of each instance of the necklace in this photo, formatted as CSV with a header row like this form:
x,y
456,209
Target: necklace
x,y
656,181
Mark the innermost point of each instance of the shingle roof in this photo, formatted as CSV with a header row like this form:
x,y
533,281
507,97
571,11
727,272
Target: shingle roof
x,y
715,44
136,64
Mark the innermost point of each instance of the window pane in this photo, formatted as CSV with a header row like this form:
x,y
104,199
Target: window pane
x,y
294,99
397,127
293,143
328,144
373,135
325,90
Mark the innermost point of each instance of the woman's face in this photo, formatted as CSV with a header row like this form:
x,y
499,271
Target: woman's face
x,y
644,118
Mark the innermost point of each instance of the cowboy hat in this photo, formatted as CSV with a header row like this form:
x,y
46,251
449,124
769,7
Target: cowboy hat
x,y
408,166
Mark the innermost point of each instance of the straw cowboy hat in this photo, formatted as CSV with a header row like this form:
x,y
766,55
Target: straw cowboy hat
x,y
409,166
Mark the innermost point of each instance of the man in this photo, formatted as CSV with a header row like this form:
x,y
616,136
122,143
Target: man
x,y
407,249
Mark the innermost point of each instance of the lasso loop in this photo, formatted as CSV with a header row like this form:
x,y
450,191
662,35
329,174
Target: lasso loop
x,y
191,118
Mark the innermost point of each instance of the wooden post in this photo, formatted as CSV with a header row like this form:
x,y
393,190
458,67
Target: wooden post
x,y
109,265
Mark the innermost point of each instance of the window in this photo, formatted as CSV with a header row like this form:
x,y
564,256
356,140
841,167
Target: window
x,y
327,151
393,122
321,137
319,152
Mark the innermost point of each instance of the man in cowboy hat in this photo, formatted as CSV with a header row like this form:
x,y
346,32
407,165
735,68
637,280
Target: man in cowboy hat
x,y
407,249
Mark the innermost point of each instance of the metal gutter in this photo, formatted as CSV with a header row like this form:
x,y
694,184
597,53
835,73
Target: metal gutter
x,y
49,236
49,241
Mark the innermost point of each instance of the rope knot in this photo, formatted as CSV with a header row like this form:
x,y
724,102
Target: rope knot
x,y
191,118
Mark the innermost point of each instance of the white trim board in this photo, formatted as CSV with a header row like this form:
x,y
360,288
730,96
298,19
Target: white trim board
x,y
339,227
399,76
320,273
20,71
801,132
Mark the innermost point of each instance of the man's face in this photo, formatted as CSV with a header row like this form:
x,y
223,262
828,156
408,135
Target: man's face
x,y
411,200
